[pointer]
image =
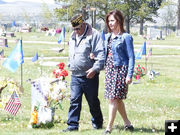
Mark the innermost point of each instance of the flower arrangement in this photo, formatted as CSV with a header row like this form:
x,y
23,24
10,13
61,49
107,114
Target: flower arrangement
x,y
139,72
61,72
7,87
47,94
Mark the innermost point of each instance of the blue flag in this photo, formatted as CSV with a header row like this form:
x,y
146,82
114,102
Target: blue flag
x,y
103,35
61,36
141,52
35,58
144,49
138,55
15,58
13,24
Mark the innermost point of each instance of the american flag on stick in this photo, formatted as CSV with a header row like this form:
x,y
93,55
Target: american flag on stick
x,y
13,104
149,53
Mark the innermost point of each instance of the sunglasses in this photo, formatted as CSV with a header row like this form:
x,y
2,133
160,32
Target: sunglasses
x,y
77,29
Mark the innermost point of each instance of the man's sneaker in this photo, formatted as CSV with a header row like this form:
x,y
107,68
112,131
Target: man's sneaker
x,y
70,129
97,126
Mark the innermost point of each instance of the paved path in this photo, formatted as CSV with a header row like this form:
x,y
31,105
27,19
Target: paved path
x,y
39,42
50,42
50,58
53,63
160,46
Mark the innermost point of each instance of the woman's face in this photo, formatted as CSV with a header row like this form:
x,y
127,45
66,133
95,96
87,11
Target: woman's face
x,y
112,22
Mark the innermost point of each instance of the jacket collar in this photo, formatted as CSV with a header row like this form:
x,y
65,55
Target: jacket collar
x,y
89,32
109,35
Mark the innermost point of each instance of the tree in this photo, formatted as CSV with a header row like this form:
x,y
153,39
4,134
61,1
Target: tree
x,y
46,13
73,7
168,16
26,16
146,11
129,8
178,22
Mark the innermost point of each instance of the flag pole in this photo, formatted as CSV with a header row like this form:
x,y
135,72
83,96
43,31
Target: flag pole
x,y
64,38
146,64
146,59
64,43
21,69
21,81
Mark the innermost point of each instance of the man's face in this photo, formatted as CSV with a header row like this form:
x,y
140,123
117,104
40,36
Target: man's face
x,y
79,30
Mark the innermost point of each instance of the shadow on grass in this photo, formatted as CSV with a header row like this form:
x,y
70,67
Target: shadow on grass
x,y
143,129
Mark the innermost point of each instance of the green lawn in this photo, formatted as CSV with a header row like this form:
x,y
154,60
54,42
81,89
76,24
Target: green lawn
x,y
148,104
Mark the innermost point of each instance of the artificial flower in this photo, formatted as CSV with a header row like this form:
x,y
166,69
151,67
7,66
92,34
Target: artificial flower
x,y
139,72
61,65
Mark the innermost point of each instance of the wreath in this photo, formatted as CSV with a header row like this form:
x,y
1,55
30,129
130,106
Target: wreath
x,y
7,87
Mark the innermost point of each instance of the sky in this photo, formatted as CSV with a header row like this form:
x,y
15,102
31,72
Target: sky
x,y
38,1
19,6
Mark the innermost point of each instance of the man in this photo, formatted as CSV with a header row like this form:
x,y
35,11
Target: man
x,y
84,41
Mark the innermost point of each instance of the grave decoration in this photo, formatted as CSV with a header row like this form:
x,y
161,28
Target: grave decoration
x,y
139,72
47,95
7,87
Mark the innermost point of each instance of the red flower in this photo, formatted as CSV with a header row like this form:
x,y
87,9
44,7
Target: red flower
x,y
63,73
139,72
61,65
56,76
54,71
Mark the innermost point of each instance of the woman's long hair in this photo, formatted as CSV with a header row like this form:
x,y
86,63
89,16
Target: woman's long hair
x,y
119,18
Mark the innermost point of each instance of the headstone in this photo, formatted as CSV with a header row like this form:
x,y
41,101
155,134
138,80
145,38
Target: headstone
x,y
178,32
154,34
3,42
10,34
161,35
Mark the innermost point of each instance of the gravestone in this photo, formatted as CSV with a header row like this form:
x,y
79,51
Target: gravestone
x,y
178,32
3,42
154,34
10,34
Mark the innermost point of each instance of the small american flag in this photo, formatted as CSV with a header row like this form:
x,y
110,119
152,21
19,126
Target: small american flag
x,y
149,53
13,104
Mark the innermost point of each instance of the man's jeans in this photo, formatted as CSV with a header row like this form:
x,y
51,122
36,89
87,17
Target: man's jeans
x,y
89,87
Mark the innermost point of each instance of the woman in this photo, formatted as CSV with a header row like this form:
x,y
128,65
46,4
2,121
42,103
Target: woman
x,y
119,67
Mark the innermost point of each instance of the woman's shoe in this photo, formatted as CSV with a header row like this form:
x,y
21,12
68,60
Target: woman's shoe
x,y
129,128
107,132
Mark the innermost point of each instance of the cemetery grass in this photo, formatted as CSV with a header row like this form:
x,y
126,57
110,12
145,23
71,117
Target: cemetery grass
x,y
148,104
51,48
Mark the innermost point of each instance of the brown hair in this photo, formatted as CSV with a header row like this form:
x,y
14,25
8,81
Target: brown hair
x,y
119,18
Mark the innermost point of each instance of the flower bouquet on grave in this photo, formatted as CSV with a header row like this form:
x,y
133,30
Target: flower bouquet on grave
x,y
48,95
139,72
7,87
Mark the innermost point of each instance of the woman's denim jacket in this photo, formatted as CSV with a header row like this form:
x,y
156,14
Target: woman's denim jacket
x,y
122,51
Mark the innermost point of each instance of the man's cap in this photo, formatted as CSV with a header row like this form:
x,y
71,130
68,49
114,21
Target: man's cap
x,y
77,20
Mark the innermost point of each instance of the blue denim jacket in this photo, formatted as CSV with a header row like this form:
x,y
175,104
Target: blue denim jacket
x,y
122,51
